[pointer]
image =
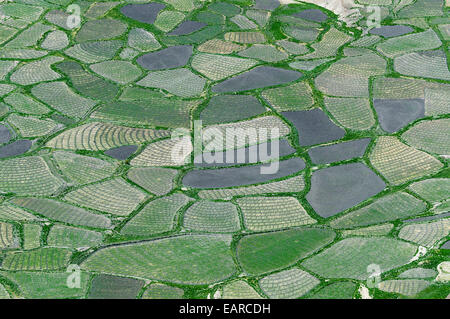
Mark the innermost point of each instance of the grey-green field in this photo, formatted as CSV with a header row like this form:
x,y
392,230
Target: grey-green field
x,y
102,194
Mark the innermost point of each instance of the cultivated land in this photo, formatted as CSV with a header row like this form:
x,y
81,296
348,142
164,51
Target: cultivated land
x,y
90,97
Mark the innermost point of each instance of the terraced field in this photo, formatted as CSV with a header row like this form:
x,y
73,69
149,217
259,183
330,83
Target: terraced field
x,y
106,173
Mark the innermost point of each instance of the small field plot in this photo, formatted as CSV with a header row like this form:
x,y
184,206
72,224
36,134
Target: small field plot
x,y
62,212
102,29
314,127
377,230
169,58
418,273
431,136
308,65
391,31
217,67
15,148
247,155
422,8
71,237
22,54
122,72
288,284
47,285
6,67
349,77
98,9
258,77
58,17
394,114
25,104
36,71
337,290
113,287
136,109
271,213
6,88
239,176
352,113
262,253
288,185
426,64
31,236
328,46
83,169
164,153
145,13
421,41
156,180
98,136
352,256
335,189
29,36
387,208
160,291
93,52
405,88
31,127
239,290
191,259
241,134
437,101
143,40
294,97
61,97
408,287
28,176
245,37
180,82
302,34
114,196
264,52
167,20
339,152
9,212
432,190
5,134
243,22
121,153
213,217
312,15
43,259
231,108
399,163
158,216
426,234
7,237
220,46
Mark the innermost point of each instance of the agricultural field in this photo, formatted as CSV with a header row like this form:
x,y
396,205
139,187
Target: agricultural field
x,y
119,179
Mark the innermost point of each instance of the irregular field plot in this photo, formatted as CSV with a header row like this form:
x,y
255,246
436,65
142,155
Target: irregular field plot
x,y
351,257
261,253
270,213
191,259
